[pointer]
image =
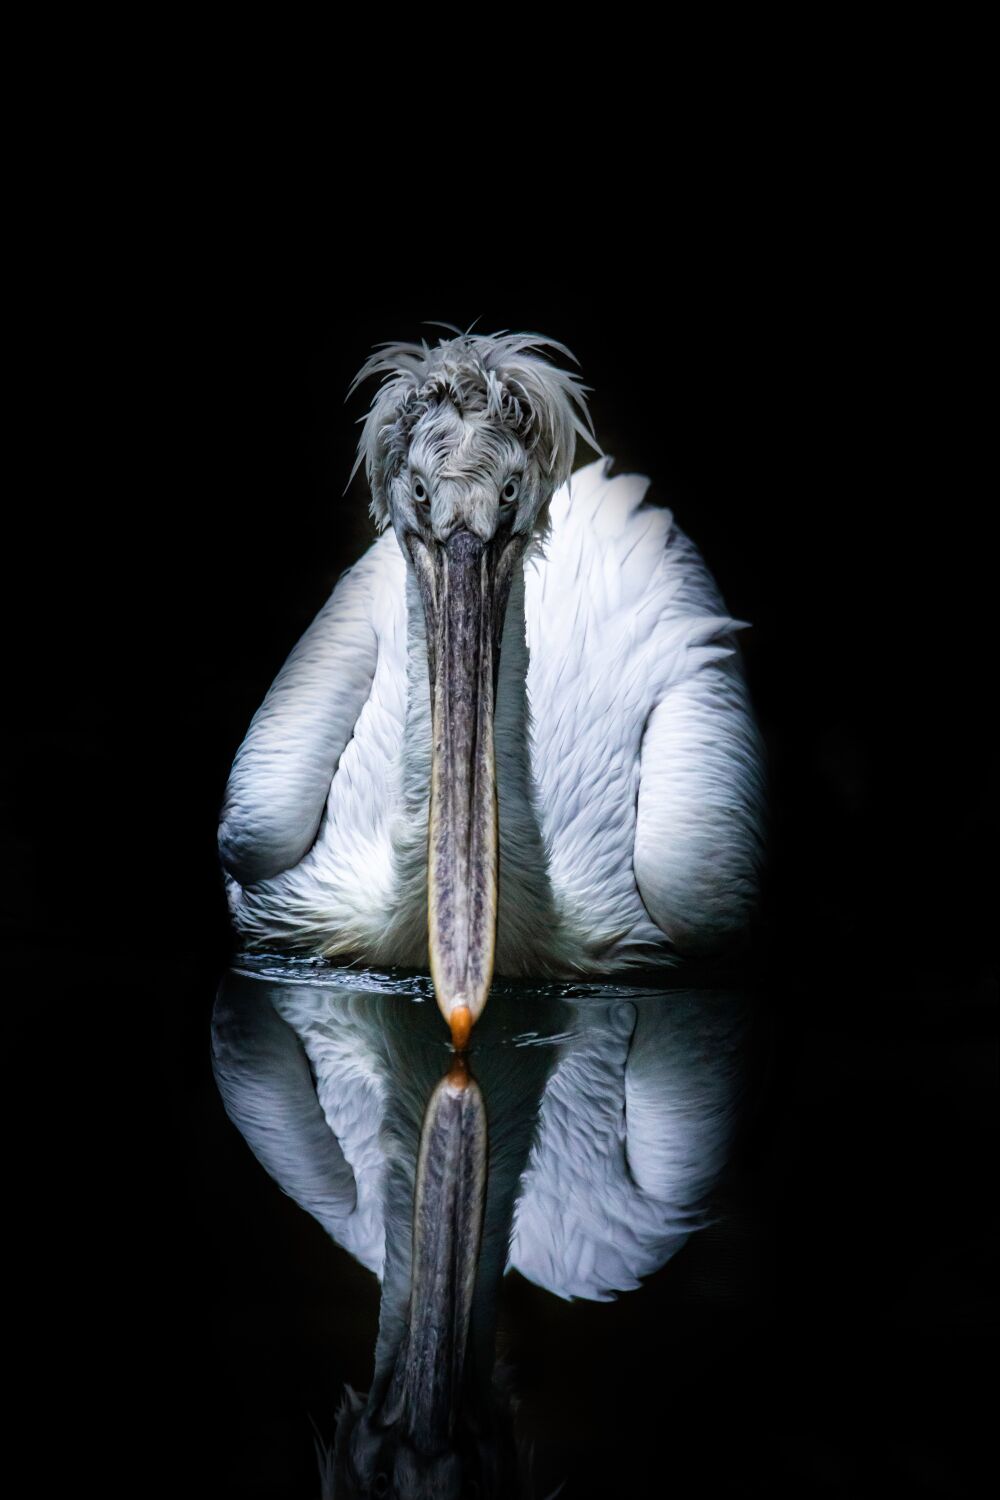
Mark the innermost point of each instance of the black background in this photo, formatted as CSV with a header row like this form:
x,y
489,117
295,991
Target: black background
x,y
787,363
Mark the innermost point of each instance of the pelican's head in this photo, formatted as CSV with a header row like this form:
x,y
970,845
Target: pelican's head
x,y
464,446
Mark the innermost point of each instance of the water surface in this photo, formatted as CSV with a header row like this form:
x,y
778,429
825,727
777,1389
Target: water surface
x,y
612,1112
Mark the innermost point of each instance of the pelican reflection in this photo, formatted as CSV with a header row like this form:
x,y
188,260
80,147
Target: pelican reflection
x,y
578,1145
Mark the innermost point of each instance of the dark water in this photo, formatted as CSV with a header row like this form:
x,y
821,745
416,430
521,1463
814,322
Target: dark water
x,y
798,1343
613,1113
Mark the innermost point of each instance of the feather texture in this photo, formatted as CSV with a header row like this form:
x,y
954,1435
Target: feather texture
x,y
627,1103
629,767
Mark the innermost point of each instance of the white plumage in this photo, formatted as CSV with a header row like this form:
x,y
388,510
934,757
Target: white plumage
x,y
516,739
607,1132
628,762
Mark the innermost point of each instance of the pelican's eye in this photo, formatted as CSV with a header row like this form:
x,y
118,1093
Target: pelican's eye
x,y
511,489
420,494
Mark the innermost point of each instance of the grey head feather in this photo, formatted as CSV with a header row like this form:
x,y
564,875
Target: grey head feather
x,y
497,379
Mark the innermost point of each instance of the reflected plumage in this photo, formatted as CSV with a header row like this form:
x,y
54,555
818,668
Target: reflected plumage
x,y
611,1116
626,1101
519,639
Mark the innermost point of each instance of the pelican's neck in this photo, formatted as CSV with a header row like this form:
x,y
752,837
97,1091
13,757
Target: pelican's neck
x,y
527,918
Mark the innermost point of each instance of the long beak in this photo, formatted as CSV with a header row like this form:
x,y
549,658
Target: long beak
x,y
425,1391
464,585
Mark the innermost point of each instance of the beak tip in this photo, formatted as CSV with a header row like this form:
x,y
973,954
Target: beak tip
x,y
460,1021
459,1076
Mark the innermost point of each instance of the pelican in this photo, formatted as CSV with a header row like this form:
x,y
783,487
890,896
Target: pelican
x,y
517,737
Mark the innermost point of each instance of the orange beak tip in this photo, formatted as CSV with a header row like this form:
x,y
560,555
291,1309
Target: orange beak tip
x,y
459,1075
460,1021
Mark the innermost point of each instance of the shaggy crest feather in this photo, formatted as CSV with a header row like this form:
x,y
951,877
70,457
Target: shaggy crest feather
x,y
490,379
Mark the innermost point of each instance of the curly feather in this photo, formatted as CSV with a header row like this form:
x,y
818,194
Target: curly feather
x,y
491,380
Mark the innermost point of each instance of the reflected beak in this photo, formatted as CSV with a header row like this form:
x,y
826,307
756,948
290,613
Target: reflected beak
x,y
425,1392
464,586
